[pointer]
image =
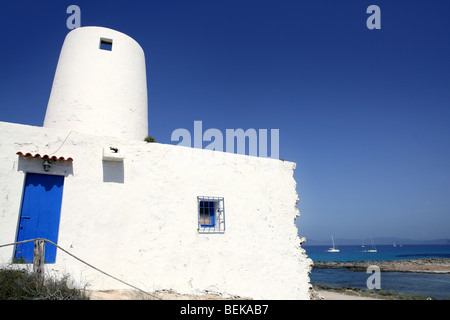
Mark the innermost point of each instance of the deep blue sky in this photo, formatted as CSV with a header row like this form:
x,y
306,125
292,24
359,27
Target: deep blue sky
x,y
364,113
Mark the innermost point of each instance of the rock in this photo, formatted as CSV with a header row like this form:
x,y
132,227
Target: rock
x,y
438,265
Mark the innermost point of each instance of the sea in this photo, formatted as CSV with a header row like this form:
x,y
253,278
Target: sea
x,y
435,285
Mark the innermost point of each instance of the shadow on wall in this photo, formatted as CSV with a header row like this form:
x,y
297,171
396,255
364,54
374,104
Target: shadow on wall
x,y
113,171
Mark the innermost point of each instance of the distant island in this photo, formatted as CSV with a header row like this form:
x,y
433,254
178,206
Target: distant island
x,y
377,241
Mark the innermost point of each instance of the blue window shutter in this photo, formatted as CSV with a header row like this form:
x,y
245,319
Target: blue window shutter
x,y
212,213
207,213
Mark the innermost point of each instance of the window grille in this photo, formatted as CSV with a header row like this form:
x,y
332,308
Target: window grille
x,y
211,215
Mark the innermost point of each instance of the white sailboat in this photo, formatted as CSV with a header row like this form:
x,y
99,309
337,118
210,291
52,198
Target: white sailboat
x,y
374,249
334,248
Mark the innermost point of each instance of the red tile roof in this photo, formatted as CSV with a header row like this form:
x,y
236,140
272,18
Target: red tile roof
x,y
45,156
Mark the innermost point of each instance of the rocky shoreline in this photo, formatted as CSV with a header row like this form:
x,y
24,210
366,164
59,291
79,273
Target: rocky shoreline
x,y
424,265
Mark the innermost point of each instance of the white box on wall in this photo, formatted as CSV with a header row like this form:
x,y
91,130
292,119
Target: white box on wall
x,y
112,154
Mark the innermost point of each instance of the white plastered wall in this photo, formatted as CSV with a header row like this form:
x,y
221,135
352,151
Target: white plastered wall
x,y
137,219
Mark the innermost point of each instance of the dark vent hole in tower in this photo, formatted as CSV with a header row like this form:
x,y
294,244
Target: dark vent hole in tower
x,y
106,44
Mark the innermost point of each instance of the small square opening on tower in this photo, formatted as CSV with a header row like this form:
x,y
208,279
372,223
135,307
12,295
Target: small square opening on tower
x,y
106,44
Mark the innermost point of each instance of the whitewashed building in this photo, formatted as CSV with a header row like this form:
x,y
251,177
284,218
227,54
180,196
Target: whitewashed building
x,y
161,217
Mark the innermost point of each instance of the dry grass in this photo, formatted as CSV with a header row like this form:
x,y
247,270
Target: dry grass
x,y
22,285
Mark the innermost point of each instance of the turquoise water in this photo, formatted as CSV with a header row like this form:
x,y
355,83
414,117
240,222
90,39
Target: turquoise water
x,y
432,285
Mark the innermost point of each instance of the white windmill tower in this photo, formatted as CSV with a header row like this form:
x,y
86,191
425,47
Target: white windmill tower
x,y
100,85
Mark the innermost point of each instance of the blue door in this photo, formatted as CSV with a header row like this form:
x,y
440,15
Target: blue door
x,y
39,216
